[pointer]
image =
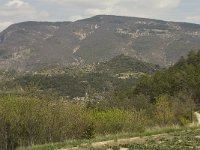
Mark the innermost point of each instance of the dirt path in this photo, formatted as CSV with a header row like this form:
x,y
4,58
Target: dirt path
x,y
136,140
110,143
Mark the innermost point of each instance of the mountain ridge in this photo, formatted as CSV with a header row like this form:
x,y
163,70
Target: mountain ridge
x,y
32,45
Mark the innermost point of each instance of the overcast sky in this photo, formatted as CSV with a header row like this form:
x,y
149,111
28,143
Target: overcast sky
x,y
12,11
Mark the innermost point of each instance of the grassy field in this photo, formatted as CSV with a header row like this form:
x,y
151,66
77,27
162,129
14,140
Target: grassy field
x,y
172,138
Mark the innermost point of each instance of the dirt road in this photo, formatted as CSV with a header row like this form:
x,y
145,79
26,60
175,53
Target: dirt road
x,y
110,143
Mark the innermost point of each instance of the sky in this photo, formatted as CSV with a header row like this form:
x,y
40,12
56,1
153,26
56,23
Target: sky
x,y
14,11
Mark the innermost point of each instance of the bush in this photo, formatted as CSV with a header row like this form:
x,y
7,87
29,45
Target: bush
x,y
164,113
115,121
109,121
135,121
26,121
89,132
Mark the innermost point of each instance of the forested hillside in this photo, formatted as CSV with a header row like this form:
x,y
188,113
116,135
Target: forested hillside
x,y
184,77
120,73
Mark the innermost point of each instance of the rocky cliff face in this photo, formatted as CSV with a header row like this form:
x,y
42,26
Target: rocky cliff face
x,y
32,45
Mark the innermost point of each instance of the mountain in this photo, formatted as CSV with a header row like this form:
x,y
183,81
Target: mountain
x,y
29,46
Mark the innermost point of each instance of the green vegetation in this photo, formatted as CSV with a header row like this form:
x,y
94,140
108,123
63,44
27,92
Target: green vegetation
x,y
124,63
26,121
182,77
75,81
38,108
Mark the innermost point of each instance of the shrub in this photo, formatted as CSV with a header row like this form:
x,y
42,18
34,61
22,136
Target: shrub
x,y
163,110
25,121
115,120
109,121
135,121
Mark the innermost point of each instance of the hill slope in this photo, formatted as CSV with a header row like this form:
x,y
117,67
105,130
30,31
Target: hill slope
x,y
31,45
76,81
182,77
123,64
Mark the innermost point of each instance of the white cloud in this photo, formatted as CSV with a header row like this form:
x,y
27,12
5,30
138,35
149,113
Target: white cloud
x,y
98,3
167,3
83,3
140,8
15,3
19,10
